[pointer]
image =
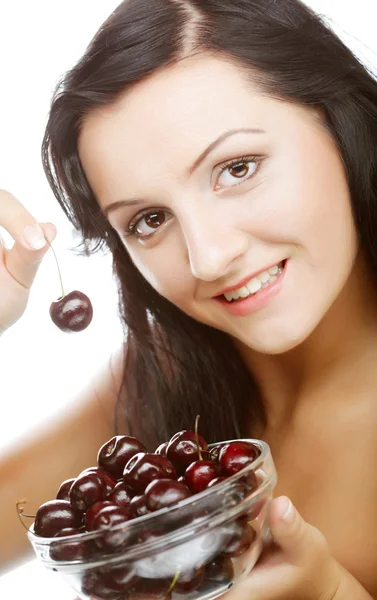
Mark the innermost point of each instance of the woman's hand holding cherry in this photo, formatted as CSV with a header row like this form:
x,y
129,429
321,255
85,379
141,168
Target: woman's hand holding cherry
x,y
297,565
19,265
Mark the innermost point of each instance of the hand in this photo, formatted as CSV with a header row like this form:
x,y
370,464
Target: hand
x,y
19,265
297,566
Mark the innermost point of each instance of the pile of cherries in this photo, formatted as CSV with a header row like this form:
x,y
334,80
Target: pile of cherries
x,y
127,483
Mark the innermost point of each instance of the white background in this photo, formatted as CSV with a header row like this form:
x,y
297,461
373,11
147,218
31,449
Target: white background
x,y
42,369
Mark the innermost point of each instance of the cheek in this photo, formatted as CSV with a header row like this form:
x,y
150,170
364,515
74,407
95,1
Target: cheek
x,y
165,271
305,202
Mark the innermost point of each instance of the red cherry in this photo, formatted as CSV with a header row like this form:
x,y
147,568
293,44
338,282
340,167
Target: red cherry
x,y
106,519
235,456
108,479
115,454
121,494
71,550
138,506
72,313
119,578
189,581
165,492
162,449
63,491
243,536
93,586
87,489
215,481
152,589
144,468
220,570
93,510
55,515
183,449
199,474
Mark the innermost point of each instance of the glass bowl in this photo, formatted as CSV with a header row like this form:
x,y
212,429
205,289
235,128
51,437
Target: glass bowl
x,y
195,549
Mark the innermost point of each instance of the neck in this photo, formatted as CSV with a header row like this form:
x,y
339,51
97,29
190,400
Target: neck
x,y
343,348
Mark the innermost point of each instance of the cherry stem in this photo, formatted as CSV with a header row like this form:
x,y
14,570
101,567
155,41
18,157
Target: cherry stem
x,y
173,583
197,436
20,512
57,264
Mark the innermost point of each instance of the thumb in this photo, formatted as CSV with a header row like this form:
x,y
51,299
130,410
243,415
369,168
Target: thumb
x,y
23,263
295,537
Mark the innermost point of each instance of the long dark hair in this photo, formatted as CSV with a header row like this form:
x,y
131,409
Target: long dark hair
x,y
176,368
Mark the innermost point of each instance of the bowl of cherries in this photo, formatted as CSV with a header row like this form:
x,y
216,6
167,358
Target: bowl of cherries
x,y
189,520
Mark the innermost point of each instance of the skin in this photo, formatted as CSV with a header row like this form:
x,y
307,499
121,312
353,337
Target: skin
x,y
315,339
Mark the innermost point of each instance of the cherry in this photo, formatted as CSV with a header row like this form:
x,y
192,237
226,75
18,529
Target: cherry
x,y
71,550
189,581
93,510
215,481
109,480
107,518
199,474
63,491
121,494
119,578
165,492
150,589
243,536
233,457
54,515
138,506
220,570
162,449
87,489
144,468
72,313
115,454
183,449
94,587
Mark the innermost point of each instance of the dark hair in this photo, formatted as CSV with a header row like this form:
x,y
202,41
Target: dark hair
x,y
176,368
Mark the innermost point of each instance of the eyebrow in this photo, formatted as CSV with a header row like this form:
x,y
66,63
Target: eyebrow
x,y
219,140
134,201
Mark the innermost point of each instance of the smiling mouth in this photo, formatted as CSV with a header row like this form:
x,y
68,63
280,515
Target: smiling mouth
x,y
256,284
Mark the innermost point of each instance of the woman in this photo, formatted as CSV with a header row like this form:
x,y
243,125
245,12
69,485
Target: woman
x,y
225,154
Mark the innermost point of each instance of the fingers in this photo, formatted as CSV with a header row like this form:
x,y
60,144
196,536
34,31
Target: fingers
x,y
299,540
30,237
21,225
23,264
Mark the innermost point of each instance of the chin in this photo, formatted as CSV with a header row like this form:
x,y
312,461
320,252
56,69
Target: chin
x,y
276,340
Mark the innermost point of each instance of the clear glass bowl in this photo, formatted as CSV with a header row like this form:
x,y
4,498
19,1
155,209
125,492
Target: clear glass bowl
x,y
196,549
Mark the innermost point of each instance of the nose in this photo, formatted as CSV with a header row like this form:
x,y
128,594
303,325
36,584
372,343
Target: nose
x,y
213,246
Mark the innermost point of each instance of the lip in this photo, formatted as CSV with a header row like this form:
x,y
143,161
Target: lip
x,y
255,302
246,280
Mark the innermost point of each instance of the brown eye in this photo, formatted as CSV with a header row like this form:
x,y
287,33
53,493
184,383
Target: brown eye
x,y
236,172
156,219
240,170
150,222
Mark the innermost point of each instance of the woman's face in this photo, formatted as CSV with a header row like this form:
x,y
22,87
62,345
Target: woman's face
x,y
213,185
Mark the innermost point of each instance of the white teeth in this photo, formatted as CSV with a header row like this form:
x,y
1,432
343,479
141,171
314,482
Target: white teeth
x,y
262,281
264,277
244,292
229,296
254,285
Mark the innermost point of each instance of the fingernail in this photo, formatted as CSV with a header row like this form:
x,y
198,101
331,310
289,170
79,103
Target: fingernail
x,y
34,237
288,511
